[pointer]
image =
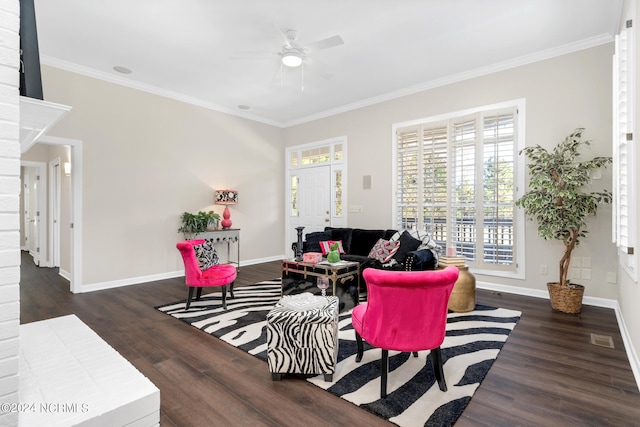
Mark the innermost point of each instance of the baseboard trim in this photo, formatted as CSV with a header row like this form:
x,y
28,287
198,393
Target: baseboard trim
x,y
161,276
65,274
262,260
634,361
131,281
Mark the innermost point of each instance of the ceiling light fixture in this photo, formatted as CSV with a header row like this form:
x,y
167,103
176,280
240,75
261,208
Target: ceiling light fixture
x,y
292,59
122,70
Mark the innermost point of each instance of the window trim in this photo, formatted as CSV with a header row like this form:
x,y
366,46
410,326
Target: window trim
x,y
519,164
622,129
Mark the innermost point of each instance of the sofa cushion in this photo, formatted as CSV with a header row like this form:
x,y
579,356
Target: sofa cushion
x,y
407,244
388,234
363,240
356,258
325,246
343,234
384,250
313,240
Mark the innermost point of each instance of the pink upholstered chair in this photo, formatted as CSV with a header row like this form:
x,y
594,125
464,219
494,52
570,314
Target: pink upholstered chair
x,y
216,275
405,311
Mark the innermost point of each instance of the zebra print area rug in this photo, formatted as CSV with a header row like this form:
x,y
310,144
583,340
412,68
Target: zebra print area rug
x,y
472,343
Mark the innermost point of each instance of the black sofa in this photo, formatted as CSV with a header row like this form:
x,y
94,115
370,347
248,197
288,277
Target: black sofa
x,y
357,244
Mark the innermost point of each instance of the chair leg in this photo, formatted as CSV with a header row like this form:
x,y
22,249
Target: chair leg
x,y
231,289
438,370
189,297
224,297
360,347
384,372
415,354
199,293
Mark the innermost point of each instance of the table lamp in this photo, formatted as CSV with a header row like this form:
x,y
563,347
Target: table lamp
x,y
226,197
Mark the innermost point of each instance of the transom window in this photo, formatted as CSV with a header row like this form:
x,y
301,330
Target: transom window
x,y
456,178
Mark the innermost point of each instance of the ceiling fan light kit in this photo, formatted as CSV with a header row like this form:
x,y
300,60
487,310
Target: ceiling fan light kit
x,y
292,58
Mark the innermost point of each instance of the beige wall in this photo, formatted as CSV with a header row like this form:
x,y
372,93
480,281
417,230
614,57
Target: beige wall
x,y
561,94
147,159
629,290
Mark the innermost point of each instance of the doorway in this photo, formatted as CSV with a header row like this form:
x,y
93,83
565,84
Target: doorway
x,y
33,210
316,187
61,223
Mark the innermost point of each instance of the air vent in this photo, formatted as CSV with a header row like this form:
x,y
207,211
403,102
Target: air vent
x,y
602,340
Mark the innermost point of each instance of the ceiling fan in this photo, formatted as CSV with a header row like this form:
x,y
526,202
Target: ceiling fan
x,y
293,55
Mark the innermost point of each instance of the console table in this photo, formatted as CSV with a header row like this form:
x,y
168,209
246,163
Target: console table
x,y
228,236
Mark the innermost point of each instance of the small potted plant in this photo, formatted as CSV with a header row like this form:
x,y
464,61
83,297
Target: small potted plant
x,y
192,224
558,203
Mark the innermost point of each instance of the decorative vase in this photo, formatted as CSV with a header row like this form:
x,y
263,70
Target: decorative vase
x,y
333,256
226,222
299,244
463,295
567,299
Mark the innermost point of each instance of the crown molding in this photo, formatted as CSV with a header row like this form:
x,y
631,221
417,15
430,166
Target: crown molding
x,y
123,81
456,78
467,75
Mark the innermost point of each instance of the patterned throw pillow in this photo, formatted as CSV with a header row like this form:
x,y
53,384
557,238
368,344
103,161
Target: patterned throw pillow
x,y
426,242
384,250
325,247
206,255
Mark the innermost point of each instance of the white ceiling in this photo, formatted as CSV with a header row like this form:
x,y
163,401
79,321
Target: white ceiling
x,y
185,48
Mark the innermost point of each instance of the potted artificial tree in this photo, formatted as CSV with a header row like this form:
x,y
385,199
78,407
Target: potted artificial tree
x,y
558,203
192,224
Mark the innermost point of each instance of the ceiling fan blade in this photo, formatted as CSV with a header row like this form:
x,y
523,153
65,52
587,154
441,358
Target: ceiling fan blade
x,y
283,34
318,69
253,55
280,74
324,44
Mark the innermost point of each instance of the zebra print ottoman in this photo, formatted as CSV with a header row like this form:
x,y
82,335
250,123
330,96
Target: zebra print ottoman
x,y
303,341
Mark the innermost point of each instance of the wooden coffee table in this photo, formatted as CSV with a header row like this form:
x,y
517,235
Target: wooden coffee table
x,y
300,277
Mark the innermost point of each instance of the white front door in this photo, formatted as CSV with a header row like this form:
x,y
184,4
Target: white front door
x,y
314,199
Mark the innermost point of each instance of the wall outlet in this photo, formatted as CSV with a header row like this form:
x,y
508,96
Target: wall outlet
x,y
612,277
586,273
543,270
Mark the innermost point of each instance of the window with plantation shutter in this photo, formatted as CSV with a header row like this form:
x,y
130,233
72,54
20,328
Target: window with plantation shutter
x,y
624,200
456,180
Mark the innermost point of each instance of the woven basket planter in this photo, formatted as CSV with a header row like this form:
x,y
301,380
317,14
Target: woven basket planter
x,y
567,299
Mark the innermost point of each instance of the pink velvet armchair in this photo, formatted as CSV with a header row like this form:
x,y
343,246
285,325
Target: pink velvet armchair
x,y
405,311
217,275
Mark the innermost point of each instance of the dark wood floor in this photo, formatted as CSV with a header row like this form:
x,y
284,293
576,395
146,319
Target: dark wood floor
x,y
547,374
